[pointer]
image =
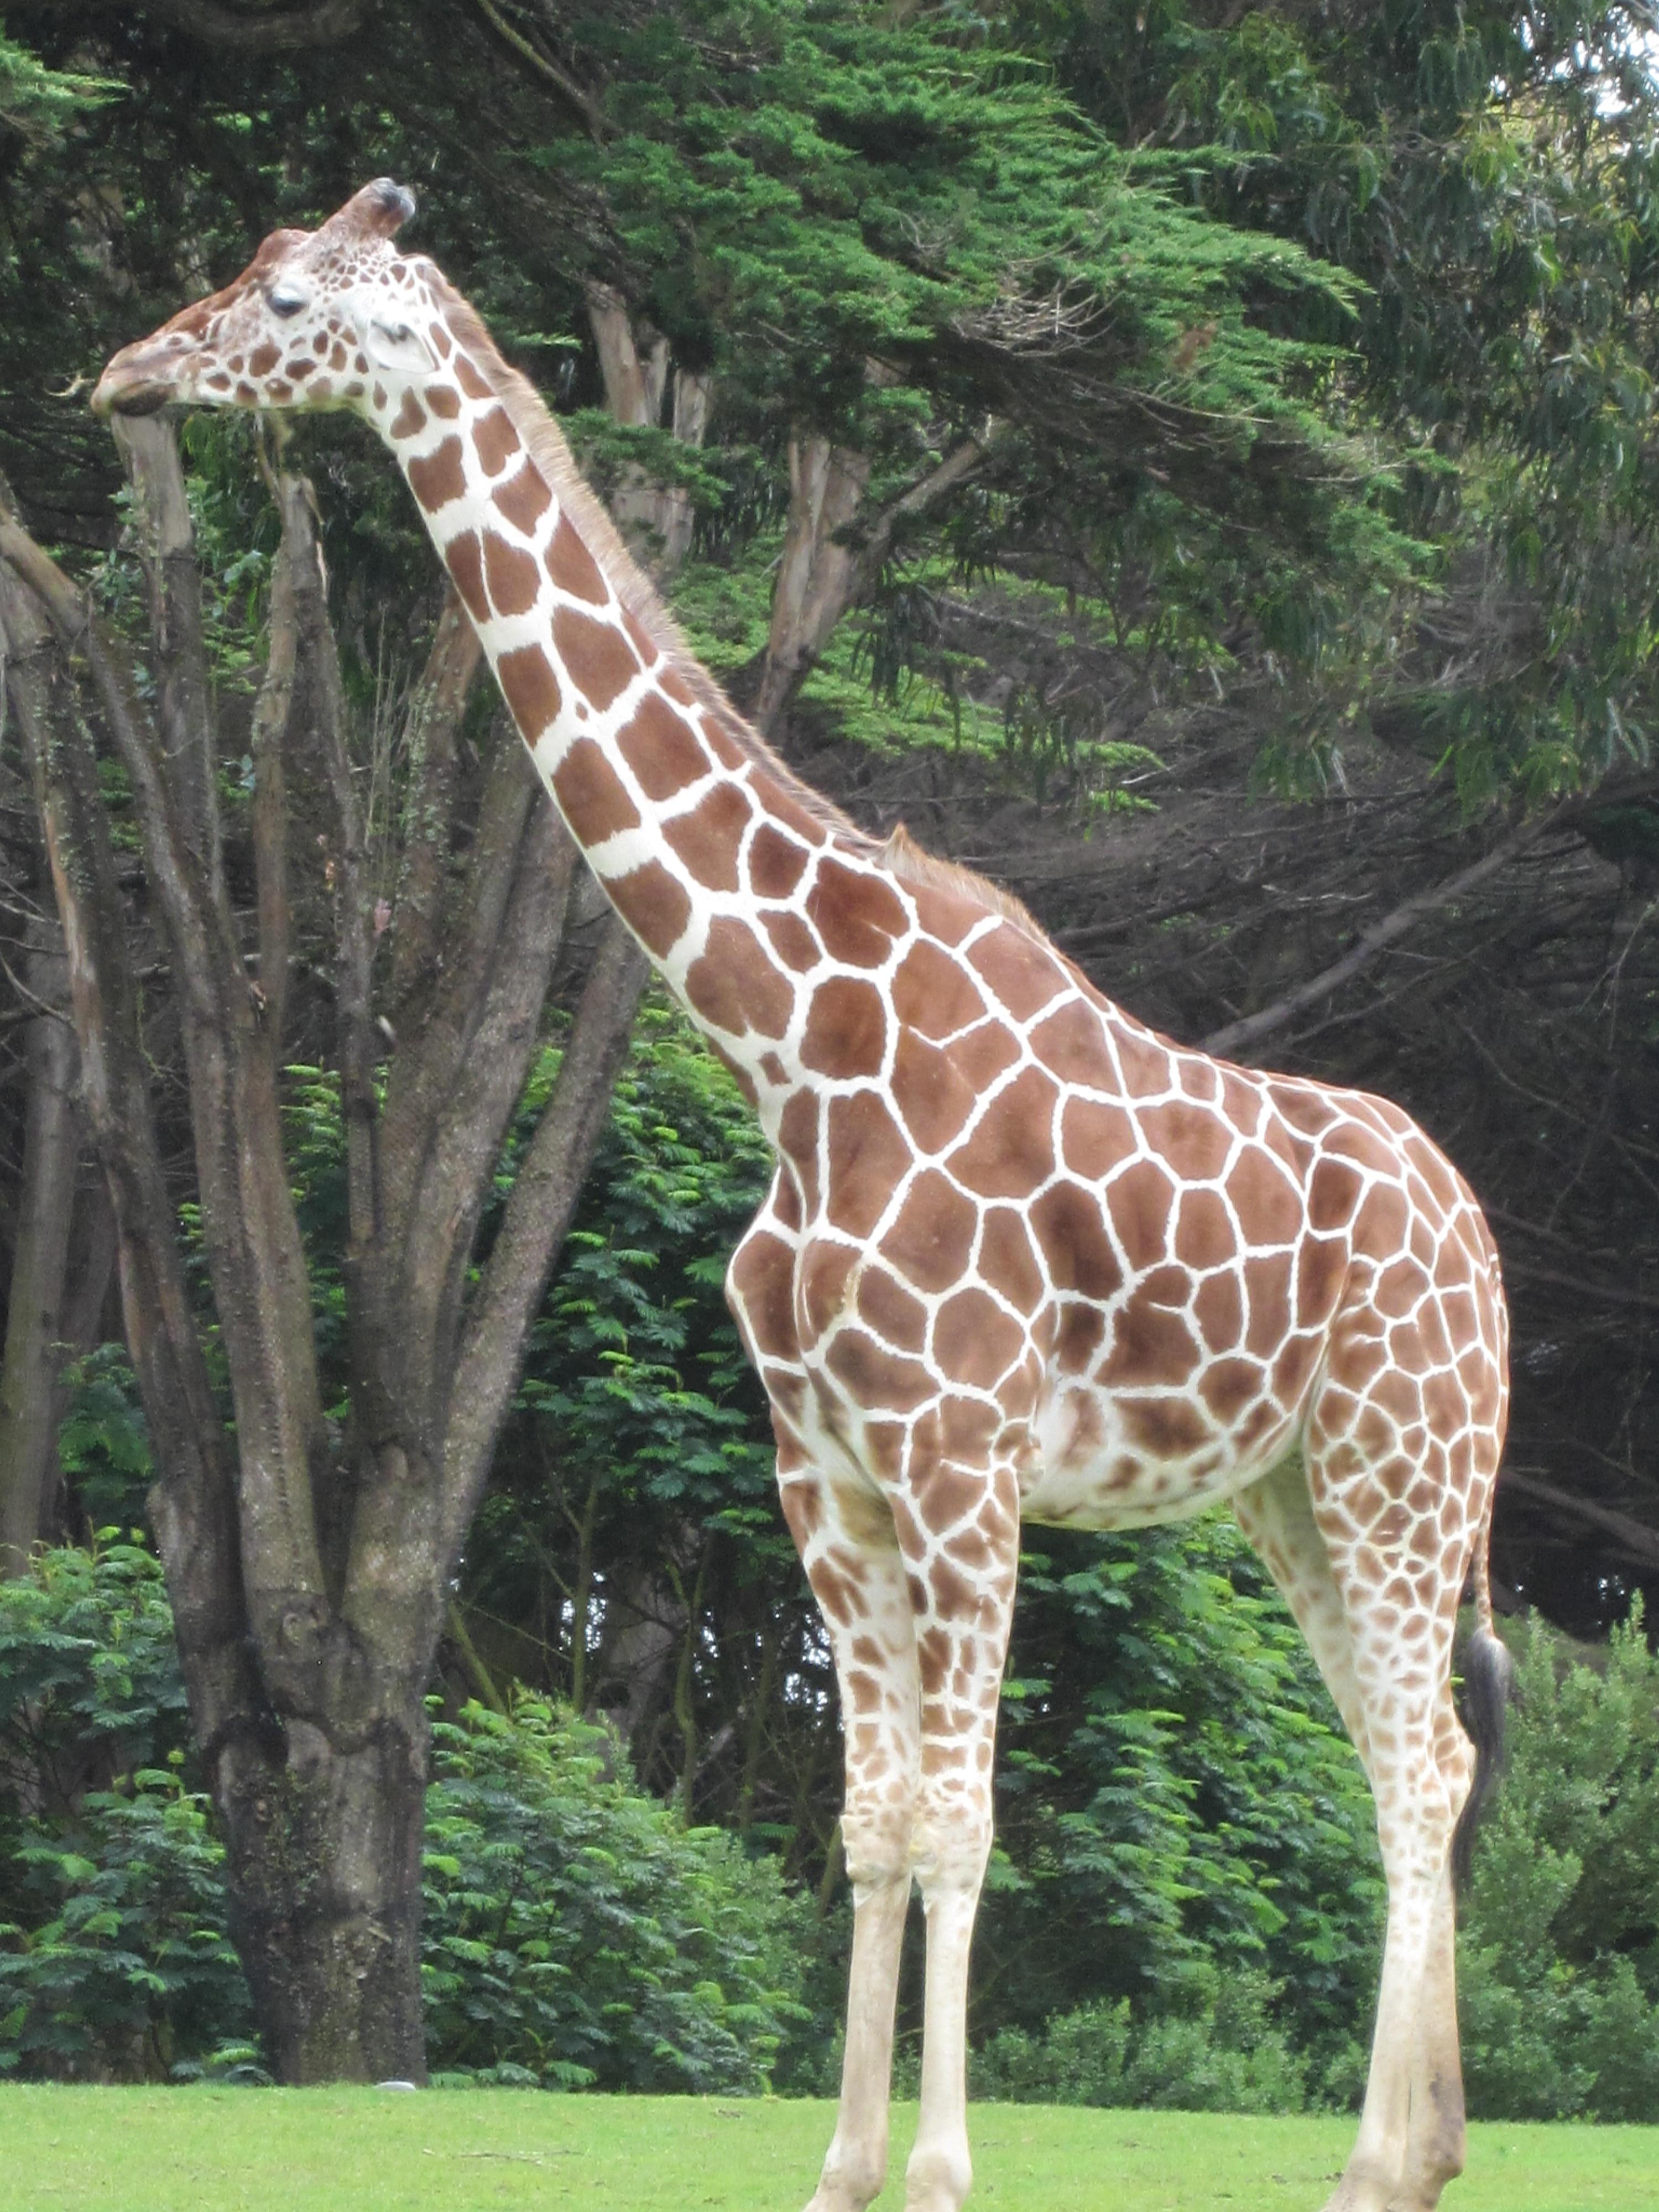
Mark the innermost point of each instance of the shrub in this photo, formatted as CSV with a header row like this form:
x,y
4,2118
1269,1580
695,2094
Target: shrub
x,y
1558,1959
576,1932
120,1969
1221,2053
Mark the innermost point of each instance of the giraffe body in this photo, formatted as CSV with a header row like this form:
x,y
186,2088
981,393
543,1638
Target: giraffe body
x,y
1021,1258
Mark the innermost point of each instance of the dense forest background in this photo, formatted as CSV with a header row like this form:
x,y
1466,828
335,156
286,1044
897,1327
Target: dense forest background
x,y
1195,463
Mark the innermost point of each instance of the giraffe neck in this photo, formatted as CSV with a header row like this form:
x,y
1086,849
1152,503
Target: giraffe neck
x,y
712,861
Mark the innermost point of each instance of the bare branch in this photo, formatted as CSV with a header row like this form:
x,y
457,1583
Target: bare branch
x,y
1234,1037
539,1211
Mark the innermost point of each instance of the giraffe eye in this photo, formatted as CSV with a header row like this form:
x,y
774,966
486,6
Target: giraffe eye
x,y
285,302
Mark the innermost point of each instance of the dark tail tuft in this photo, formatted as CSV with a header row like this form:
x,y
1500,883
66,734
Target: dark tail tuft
x,y
1488,1692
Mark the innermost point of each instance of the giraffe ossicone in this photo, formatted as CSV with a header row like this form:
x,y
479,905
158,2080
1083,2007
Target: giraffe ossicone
x,y
1021,1258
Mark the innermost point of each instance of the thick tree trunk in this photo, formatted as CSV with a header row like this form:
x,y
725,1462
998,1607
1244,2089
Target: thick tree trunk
x,y
327,1916
29,1397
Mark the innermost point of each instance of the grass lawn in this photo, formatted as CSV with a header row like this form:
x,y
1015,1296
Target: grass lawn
x,y
365,2150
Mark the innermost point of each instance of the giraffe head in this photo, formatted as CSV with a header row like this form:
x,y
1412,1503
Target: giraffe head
x,y
317,319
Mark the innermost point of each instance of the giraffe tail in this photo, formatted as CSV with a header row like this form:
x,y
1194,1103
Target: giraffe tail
x,y
1488,1691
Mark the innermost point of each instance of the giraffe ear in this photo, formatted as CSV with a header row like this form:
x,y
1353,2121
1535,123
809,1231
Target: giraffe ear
x,y
396,347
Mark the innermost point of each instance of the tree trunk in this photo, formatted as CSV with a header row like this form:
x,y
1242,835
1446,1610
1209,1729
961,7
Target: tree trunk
x,y
29,1400
326,1917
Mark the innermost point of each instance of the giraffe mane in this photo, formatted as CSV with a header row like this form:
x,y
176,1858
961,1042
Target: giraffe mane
x,y
548,448
902,856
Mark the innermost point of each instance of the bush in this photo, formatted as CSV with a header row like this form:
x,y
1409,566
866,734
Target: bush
x,y
1558,1959
120,1969
1224,2054
576,1932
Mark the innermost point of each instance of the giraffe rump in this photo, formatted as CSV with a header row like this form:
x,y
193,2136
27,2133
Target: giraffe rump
x,y
1489,1690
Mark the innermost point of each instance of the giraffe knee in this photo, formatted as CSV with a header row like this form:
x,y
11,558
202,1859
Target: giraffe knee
x,y
876,1842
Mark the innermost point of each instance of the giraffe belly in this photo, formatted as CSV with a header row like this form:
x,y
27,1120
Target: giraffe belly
x,y
1106,1460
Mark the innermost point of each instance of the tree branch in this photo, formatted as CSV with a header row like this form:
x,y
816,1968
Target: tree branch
x,y
1636,1540
539,1211
1234,1037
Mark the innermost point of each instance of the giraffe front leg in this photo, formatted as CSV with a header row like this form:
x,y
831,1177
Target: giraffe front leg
x,y
846,1538
963,1583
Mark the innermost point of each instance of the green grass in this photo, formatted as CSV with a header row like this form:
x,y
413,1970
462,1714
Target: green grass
x,y
331,2150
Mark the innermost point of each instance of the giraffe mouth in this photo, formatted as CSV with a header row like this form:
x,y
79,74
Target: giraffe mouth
x,y
147,396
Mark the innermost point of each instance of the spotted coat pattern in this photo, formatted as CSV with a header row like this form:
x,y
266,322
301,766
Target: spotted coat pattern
x,y
1021,1259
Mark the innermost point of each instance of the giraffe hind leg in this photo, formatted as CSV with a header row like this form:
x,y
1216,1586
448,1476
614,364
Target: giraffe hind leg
x,y
1394,1695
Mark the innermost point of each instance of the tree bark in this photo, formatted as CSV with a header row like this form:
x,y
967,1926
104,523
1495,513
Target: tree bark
x,y
824,570
29,1397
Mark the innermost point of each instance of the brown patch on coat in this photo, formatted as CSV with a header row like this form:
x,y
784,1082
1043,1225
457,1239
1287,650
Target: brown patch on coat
x,y
975,1340
868,1154
1227,1386
1066,1221
1150,1343
734,985
661,748
1072,1041
929,1092
1219,1308
1021,974
792,941
529,688
856,912
933,994
929,1244
710,835
654,903
776,863
444,401
463,558
1194,1141
1204,1235
573,568
510,575
524,499
762,1290
495,440
1094,1136
872,1376
592,796
846,1028
1140,1200
1010,1150
470,379
1005,1258
891,1310
440,477
600,661
1164,1428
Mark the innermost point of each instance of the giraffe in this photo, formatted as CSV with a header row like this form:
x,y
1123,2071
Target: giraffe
x,y
1021,1259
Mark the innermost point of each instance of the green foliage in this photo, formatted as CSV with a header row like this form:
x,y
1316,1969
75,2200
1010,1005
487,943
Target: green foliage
x,y
113,1960
118,1968
103,1439
1223,2054
1558,1955
89,1683
576,1932
575,1929
1178,1801
635,1362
